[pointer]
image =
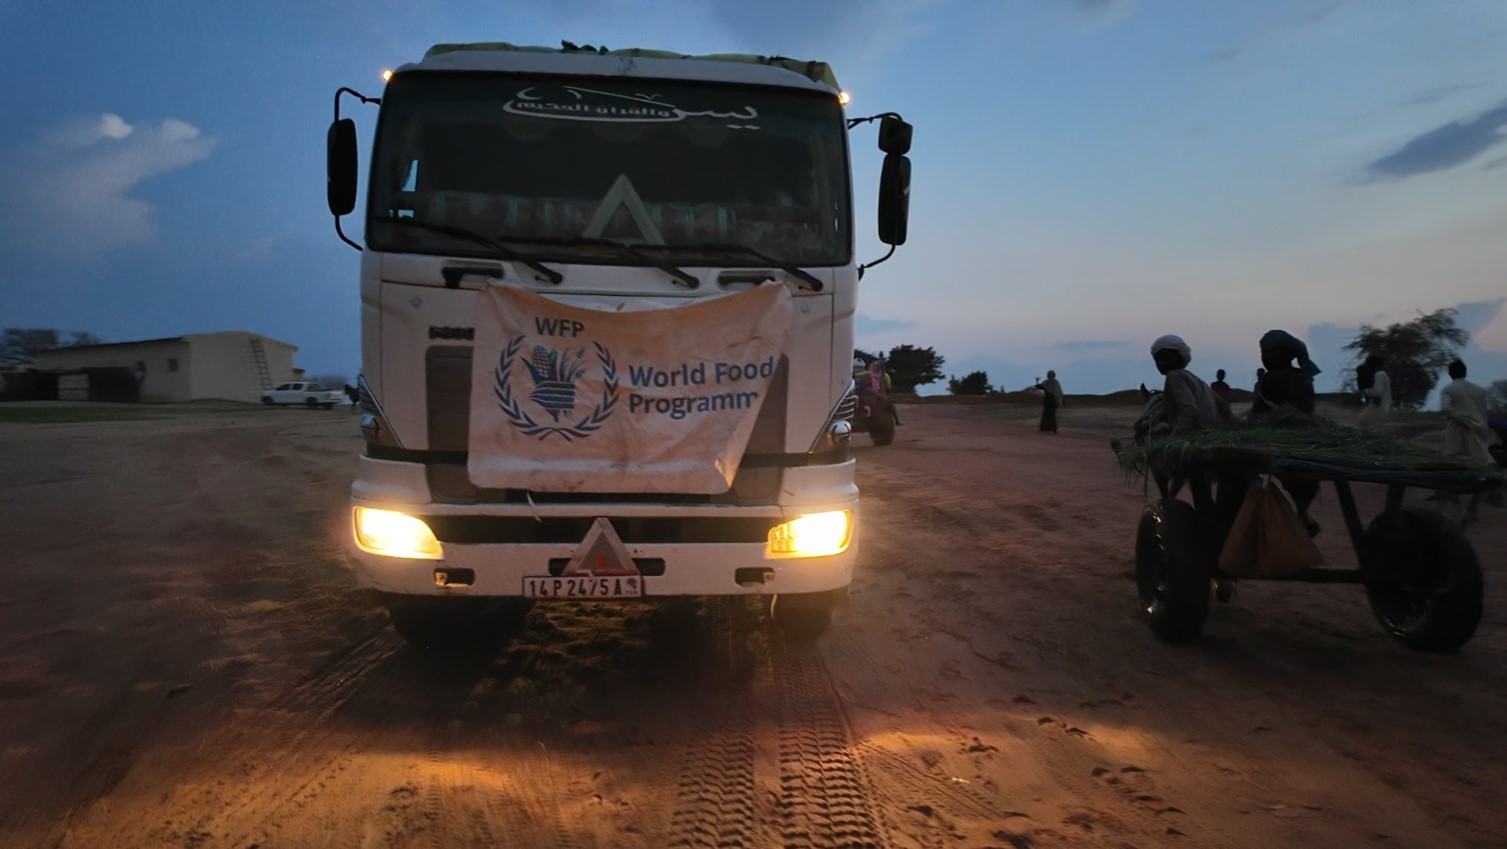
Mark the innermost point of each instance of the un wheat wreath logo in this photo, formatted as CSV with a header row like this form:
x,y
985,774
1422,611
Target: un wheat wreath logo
x,y
555,374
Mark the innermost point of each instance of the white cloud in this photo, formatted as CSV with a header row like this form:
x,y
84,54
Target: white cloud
x,y
70,192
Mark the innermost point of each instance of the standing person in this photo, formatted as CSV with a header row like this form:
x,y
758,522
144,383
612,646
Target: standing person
x,y
1190,402
880,376
1051,399
1220,388
1467,429
1466,432
1375,390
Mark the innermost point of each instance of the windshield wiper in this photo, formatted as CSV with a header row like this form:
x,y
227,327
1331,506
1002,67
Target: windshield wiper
x,y
683,277
808,278
504,251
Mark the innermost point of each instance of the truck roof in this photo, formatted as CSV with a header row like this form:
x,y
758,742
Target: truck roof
x,y
744,68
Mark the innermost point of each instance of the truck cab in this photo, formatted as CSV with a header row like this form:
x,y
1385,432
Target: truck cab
x,y
607,306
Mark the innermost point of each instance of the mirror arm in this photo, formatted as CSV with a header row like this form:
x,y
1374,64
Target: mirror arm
x,y
353,93
868,265
853,122
344,238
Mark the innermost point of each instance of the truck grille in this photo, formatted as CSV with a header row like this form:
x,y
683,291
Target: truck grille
x,y
483,530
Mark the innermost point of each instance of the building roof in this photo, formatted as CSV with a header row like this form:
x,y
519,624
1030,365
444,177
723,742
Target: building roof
x,y
189,337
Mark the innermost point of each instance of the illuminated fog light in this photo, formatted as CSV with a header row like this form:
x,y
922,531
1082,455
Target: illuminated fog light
x,y
395,535
813,535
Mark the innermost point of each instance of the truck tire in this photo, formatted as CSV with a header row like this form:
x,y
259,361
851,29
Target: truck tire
x,y
1424,581
434,624
802,617
1171,578
266,402
312,403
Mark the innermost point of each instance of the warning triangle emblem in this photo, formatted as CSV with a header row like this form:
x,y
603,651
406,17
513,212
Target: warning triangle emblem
x,y
601,553
622,194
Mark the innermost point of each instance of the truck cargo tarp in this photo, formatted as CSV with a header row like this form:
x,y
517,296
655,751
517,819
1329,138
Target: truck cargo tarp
x,y
569,399
819,72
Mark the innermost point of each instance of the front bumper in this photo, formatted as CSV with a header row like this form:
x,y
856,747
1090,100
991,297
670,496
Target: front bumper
x,y
497,567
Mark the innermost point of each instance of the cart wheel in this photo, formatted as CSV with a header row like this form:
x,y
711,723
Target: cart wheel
x,y
1423,579
1173,584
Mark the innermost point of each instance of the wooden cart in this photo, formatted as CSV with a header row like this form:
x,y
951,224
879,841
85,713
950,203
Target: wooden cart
x,y
1421,574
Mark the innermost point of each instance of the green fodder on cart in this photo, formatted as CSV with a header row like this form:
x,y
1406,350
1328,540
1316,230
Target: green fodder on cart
x,y
1286,434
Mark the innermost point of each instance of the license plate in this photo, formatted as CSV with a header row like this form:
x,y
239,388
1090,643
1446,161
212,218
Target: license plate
x,y
584,586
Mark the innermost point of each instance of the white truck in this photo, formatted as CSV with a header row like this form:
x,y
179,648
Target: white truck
x,y
607,305
300,393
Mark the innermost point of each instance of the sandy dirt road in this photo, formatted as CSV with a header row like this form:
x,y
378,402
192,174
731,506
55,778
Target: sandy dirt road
x,y
186,663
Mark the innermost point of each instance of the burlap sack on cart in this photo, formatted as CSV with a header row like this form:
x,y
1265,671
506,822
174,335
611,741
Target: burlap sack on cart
x,y
1268,540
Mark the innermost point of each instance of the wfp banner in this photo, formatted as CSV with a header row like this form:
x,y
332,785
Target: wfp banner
x,y
567,399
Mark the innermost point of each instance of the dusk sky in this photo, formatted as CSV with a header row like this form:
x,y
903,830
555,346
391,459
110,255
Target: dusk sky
x,y
1088,174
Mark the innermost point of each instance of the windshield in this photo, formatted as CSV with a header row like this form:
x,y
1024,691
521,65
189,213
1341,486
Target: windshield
x,y
641,162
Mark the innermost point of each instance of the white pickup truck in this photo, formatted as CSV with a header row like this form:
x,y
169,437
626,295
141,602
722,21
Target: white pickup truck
x,y
310,395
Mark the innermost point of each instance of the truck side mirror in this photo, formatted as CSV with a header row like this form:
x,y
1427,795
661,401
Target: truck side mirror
x,y
894,199
894,135
340,155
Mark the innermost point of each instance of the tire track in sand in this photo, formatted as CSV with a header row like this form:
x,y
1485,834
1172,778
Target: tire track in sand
x,y
716,791
824,796
262,783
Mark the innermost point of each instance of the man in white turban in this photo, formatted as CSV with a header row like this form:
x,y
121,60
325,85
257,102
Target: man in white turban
x,y
1191,403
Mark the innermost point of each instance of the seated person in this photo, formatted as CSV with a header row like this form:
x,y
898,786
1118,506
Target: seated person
x,y
1288,383
1285,384
1191,404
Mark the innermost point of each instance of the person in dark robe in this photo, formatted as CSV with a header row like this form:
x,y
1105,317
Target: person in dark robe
x,y
1288,381
1051,399
1220,388
1288,384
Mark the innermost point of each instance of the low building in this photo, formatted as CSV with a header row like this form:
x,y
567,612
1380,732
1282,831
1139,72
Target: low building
x,y
234,365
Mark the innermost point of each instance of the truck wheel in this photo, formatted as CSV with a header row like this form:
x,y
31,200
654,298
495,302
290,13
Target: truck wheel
x,y
802,617
266,402
1172,582
326,406
1423,579
312,403
443,623
882,429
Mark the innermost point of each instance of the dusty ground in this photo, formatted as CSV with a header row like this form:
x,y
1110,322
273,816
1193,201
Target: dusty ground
x,y
186,664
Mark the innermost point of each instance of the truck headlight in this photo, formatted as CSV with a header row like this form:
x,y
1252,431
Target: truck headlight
x,y
395,534
813,535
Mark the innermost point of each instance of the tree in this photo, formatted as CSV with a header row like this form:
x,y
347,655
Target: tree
x,y
19,345
1415,352
974,383
910,367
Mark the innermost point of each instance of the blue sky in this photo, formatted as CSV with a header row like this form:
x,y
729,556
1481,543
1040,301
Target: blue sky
x,y
1088,174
